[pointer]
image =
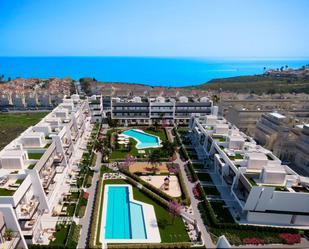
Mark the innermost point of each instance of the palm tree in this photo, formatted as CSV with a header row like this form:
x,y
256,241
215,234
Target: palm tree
x,y
98,146
169,147
154,159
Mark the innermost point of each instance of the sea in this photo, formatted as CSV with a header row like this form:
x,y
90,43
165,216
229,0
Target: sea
x,y
154,71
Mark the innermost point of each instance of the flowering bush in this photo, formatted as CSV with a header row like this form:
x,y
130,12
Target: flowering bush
x,y
253,241
289,238
197,192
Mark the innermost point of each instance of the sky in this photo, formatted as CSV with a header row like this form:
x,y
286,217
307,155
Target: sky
x,y
185,28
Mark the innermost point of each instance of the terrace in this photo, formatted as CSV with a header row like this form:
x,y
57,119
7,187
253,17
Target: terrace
x,y
9,185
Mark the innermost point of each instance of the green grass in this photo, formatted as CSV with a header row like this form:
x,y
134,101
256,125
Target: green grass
x,y
211,190
222,214
74,196
160,133
204,177
60,235
11,125
19,181
6,192
170,231
31,166
121,152
237,156
36,156
70,209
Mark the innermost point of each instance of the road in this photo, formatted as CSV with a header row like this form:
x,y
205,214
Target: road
x,y
86,220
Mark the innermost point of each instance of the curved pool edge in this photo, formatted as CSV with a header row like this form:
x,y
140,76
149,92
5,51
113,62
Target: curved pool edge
x,y
140,142
150,220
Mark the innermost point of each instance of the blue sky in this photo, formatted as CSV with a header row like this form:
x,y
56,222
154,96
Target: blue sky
x,y
216,28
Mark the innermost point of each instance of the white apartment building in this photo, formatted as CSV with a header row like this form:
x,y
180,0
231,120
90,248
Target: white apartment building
x,y
96,108
301,158
148,111
266,191
33,167
9,222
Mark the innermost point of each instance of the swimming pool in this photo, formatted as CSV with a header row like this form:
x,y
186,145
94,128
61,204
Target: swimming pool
x,y
124,218
144,140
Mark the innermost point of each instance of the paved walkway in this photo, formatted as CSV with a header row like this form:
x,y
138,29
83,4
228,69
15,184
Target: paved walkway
x,y
86,220
205,235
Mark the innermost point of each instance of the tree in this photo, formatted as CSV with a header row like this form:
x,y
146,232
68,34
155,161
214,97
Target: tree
x,y
173,168
169,147
98,146
174,208
128,161
156,125
154,158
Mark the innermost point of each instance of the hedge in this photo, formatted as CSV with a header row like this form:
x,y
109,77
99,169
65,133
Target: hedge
x,y
184,189
94,214
192,172
152,245
73,236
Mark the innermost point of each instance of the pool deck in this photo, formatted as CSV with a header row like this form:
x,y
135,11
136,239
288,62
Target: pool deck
x,y
145,167
151,225
157,181
140,142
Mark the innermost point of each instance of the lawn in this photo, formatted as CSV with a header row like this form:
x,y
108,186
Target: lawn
x,y
70,208
211,190
204,177
11,125
160,133
237,156
121,152
6,192
60,235
222,214
36,156
169,231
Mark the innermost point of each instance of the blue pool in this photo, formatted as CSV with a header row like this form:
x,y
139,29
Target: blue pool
x,y
144,140
124,218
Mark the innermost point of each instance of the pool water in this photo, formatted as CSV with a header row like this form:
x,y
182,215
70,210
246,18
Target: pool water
x,y
144,140
124,218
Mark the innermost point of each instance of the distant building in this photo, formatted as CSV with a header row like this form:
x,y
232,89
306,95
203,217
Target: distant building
x,y
5,99
96,108
18,100
301,159
246,113
149,111
31,99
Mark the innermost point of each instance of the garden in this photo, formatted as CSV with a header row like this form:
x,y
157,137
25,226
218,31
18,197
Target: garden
x,y
172,229
120,151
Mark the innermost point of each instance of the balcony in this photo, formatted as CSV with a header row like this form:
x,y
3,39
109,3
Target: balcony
x,y
27,209
13,242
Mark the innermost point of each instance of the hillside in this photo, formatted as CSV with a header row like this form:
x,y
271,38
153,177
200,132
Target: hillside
x,y
257,84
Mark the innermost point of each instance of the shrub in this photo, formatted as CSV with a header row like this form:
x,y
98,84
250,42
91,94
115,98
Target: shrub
x,y
73,236
253,241
289,238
